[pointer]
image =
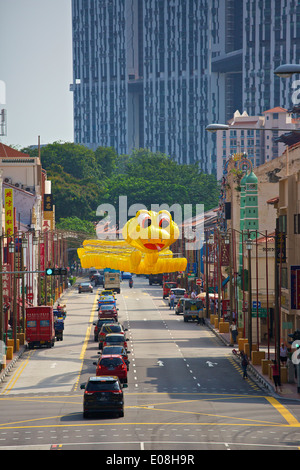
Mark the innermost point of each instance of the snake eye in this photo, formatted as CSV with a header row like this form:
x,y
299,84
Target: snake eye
x,y
163,220
144,220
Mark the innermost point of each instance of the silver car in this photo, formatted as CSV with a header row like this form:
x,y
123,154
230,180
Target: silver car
x,y
85,287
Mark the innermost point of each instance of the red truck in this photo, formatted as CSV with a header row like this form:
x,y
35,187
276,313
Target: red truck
x,y
40,326
167,286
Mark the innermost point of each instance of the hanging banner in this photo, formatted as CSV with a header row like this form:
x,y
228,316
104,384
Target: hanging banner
x,y
280,246
295,287
48,202
225,253
9,211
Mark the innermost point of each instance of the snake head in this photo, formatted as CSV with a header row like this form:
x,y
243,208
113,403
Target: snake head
x,y
151,231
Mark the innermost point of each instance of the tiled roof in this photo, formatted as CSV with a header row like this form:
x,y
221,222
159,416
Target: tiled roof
x,y
278,109
9,152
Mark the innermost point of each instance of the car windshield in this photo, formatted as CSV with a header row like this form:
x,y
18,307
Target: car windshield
x,y
111,361
111,328
99,386
113,350
115,339
85,284
107,307
169,285
107,298
102,322
178,291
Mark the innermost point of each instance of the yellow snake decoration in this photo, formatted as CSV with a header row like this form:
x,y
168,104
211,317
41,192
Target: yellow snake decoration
x,y
144,250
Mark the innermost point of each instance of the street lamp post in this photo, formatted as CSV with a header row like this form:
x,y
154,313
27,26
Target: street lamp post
x,y
24,246
249,248
230,247
287,70
11,249
206,273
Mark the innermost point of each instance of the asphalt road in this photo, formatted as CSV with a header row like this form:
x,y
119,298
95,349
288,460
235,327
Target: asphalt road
x,y
185,392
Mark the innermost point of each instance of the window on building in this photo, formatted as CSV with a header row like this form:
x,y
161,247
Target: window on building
x,y
282,223
296,223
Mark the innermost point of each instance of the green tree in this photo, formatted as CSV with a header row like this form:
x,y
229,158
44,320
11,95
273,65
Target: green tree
x,y
106,159
76,225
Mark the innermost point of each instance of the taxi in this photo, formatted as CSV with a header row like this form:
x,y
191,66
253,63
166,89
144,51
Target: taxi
x,y
107,292
106,300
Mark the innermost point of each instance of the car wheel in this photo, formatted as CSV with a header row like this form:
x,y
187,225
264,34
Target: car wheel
x,y
85,414
121,414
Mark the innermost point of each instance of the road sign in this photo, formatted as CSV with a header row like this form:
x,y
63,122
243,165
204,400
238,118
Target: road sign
x,y
262,313
199,282
191,275
254,304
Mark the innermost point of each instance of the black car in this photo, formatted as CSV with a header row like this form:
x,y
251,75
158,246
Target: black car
x,y
103,395
98,280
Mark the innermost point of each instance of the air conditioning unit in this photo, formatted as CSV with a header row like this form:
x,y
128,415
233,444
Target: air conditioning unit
x,y
18,185
8,180
29,189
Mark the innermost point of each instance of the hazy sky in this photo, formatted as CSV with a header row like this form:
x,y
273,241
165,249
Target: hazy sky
x,y
36,67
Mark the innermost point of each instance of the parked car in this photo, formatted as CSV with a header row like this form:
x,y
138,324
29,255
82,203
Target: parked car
x,y
179,292
120,350
167,286
108,311
113,339
109,328
85,287
98,325
103,394
179,306
193,310
112,365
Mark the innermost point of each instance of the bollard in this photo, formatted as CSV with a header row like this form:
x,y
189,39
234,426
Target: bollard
x,y
224,327
265,366
9,352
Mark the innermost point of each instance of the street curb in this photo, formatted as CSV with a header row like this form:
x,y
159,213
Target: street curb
x,y
258,377
12,363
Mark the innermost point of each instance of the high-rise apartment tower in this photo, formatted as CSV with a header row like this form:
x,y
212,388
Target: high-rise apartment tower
x,y
154,73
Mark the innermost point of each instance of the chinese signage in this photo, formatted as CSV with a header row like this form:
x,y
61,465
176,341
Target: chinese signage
x,y
48,203
9,211
6,285
295,287
280,246
225,253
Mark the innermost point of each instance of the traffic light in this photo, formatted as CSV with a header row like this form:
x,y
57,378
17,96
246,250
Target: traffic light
x,y
56,271
295,337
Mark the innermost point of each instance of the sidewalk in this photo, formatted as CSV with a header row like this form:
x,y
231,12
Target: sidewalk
x,y
289,390
10,363
18,354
